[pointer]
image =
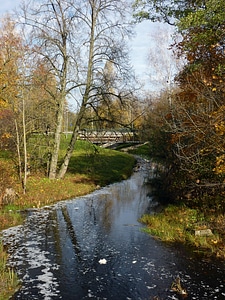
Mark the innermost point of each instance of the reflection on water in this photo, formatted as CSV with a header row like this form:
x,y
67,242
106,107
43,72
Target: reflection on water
x,y
57,252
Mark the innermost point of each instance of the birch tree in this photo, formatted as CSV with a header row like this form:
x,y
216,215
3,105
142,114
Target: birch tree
x,y
106,27
51,30
76,39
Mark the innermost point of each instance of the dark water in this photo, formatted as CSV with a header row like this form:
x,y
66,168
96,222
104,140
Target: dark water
x,y
93,247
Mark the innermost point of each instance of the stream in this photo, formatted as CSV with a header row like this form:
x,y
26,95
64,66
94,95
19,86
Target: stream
x,y
94,247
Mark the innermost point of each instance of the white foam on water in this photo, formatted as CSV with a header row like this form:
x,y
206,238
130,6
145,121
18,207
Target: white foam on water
x,y
26,254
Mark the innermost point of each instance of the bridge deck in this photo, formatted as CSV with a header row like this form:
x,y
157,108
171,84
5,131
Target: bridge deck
x,y
107,136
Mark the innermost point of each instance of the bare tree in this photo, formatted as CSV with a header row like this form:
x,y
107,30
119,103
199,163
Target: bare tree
x,y
105,26
163,63
50,27
76,39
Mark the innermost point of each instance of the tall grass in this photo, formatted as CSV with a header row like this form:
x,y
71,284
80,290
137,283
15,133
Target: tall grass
x,y
8,280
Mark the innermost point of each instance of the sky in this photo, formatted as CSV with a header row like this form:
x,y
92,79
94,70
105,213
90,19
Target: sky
x,y
140,45
151,38
8,5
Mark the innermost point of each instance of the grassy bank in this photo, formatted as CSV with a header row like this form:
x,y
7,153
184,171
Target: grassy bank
x,y
8,279
178,225
90,168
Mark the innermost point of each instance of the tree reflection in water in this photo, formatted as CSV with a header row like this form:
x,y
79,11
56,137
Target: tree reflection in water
x,y
59,250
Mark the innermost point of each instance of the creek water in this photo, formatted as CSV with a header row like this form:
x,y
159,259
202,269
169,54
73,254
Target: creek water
x,y
94,247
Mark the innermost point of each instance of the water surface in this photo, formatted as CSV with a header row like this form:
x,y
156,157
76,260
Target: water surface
x,y
93,247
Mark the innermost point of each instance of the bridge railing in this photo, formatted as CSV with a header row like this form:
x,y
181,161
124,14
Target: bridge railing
x,y
106,136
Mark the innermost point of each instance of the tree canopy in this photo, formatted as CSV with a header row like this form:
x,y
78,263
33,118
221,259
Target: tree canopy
x,y
194,117
57,51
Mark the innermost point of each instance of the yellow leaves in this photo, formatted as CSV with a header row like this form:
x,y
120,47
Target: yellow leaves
x,y
3,104
6,135
220,164
10,56
215,46
220,132
220,128
214,241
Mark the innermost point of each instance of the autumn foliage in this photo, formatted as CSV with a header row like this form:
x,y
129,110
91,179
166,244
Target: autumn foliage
x,y
194,120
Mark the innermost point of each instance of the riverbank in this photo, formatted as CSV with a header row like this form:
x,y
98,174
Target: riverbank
x,y
87,171
179,224
187,226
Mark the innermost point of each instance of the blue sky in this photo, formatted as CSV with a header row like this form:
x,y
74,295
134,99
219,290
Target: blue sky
x,y
140,44
8,5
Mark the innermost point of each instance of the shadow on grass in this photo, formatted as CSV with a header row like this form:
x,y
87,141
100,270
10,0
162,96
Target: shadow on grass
x,y
103,168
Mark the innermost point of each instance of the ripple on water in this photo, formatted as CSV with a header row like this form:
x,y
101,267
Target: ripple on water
x,y
57,252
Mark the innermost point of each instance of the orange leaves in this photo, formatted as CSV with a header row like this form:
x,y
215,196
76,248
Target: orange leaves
x,y
6,135
218,118
10,53
175,138
6,128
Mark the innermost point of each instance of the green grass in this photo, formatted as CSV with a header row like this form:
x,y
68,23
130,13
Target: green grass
x,y
104,167
5,155
177,224
89,168
142,150
9,215
8,280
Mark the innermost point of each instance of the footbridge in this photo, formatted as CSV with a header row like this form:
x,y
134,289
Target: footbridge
x,y
106,136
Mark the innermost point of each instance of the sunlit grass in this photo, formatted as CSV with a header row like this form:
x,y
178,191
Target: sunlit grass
x,y
177,224
89,168
43,191
142,150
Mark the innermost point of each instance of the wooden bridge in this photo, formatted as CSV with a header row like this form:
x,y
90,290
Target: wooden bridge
x,y
108,136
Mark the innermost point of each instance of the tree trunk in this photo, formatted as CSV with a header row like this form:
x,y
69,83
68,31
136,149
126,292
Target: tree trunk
x,y
18,151
25,149
64,166
57,138
69,152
